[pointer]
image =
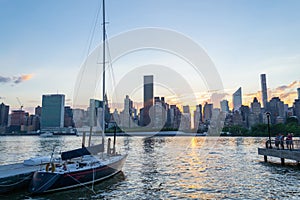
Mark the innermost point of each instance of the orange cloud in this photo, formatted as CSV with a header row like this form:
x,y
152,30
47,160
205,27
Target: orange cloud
x,y
22,78
287,93
26,77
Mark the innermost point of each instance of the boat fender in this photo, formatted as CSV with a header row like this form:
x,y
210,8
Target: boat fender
x,y
47,167
52,167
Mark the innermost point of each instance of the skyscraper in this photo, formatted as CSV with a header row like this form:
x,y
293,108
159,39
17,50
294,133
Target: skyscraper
x,y
186,118
53,107
296,109
256,107
197,116
95,113
298,90
4,109
264,91
276,107
126,114
148,99
207,111
224,106
237,99
160,112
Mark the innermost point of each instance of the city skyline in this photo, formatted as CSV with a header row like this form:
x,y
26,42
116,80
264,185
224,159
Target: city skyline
x,y
55,116
149,79
44,44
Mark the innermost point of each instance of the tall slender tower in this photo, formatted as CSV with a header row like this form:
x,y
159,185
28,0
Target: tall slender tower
x,y
237,99
148,98
298,90
264,90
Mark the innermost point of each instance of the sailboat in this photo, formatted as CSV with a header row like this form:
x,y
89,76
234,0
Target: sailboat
x,y
81,166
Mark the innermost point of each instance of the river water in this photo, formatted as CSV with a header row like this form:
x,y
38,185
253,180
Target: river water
x,y
171,168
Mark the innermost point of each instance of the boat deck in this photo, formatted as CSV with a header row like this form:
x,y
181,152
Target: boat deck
x,y
16,169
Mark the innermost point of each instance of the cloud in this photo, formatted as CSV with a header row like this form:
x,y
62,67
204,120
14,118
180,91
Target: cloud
x,y
282,88
287,93
15,79
22,78
4,79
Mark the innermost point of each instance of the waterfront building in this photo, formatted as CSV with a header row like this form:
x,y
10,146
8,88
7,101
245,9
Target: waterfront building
x,y
245,111
296,109
174,117
216,113
224,106
33,123
298,91
207,112
80,117
237,99
264,92
256,107
198,117
160,112
68,117
185,118
276,108
148,99
252,119
18,120
256,110
53,108
4,110
38,111
126,116
95,113
237,118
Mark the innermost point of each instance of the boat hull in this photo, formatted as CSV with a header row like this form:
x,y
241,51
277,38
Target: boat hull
x,y
44,182
13,183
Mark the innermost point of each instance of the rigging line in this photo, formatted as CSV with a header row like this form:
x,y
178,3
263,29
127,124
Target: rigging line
x,y
110,63
81,184
90,41
49,181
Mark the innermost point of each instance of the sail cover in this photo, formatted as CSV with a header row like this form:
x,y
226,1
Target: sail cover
x,y
82,151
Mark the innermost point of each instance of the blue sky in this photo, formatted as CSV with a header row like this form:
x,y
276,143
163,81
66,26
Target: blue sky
x,y
48,41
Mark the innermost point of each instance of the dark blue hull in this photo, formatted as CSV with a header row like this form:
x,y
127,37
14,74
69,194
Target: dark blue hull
x,y
43,182
13,183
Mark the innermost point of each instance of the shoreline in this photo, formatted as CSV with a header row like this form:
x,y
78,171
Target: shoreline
x,y
137,134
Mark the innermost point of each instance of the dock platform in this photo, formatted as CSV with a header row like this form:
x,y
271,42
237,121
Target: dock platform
x,y
18,175
273,151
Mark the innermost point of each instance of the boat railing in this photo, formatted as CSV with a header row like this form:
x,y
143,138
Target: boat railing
x,y
295,144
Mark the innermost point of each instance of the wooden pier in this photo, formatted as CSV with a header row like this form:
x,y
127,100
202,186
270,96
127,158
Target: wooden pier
x,y
272,151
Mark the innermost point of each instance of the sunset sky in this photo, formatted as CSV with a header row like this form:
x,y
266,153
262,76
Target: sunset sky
x,y
43,45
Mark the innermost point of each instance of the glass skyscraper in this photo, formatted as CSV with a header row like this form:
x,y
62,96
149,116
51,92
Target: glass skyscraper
x,y
264,90
53,111
237,99
148,99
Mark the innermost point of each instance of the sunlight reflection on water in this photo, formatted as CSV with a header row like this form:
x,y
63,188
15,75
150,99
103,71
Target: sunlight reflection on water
x,y
173,167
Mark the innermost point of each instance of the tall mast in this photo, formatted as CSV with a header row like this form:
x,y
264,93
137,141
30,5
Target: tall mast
x,y
103,59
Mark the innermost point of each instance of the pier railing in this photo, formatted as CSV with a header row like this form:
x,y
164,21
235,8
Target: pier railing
x,y
272,144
